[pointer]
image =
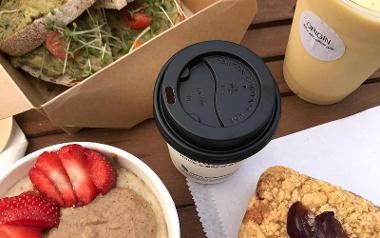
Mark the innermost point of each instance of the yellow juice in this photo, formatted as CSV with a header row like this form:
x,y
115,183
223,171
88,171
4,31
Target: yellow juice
x,y
369,4
334,46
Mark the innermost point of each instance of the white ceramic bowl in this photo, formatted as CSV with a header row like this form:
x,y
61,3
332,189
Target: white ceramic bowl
x,y
21,168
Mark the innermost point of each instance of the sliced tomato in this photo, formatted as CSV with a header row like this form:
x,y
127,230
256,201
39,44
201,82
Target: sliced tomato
x,y
56,45
137,44
136,21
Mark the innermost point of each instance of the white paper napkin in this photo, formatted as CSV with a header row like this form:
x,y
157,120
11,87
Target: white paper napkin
x,y
344,152
15,149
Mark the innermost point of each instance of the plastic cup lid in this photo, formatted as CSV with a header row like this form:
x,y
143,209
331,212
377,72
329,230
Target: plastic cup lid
x,y
216,97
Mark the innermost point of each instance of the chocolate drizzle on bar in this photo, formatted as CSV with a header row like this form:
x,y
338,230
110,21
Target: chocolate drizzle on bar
x,y
299,223
302,224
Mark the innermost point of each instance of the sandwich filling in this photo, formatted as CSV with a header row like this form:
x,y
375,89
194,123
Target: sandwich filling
x,y
128,35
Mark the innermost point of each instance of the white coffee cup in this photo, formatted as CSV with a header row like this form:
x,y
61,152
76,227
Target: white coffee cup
x,y
216,104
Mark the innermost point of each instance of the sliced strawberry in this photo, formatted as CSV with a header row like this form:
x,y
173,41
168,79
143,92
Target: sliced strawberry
x,y
50,164
45,186
30,209
101,171
4,204
73,159
9,231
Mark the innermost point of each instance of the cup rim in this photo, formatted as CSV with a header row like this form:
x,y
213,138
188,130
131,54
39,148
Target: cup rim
x,y
162,194
361,9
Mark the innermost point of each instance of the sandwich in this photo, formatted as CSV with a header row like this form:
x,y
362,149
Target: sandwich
x,y
71,51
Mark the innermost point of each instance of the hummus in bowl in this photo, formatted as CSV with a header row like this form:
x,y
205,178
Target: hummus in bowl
x,y
139,205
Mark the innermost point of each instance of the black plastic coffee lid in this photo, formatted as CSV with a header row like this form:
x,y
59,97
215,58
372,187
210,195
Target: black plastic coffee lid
x,y
216,99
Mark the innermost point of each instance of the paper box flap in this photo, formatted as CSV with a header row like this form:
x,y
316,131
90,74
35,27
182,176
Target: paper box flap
x,y
120,96
12,99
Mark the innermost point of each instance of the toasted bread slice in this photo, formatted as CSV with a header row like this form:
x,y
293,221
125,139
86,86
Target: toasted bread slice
x,y
28,35
279,188
114,4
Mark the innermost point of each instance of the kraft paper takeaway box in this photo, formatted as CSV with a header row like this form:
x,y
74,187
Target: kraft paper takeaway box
x,y
120,95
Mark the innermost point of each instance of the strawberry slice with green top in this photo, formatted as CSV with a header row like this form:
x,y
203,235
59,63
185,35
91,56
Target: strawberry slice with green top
x,y
45,186
30,209
101,171
9,231
50,164
73,159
